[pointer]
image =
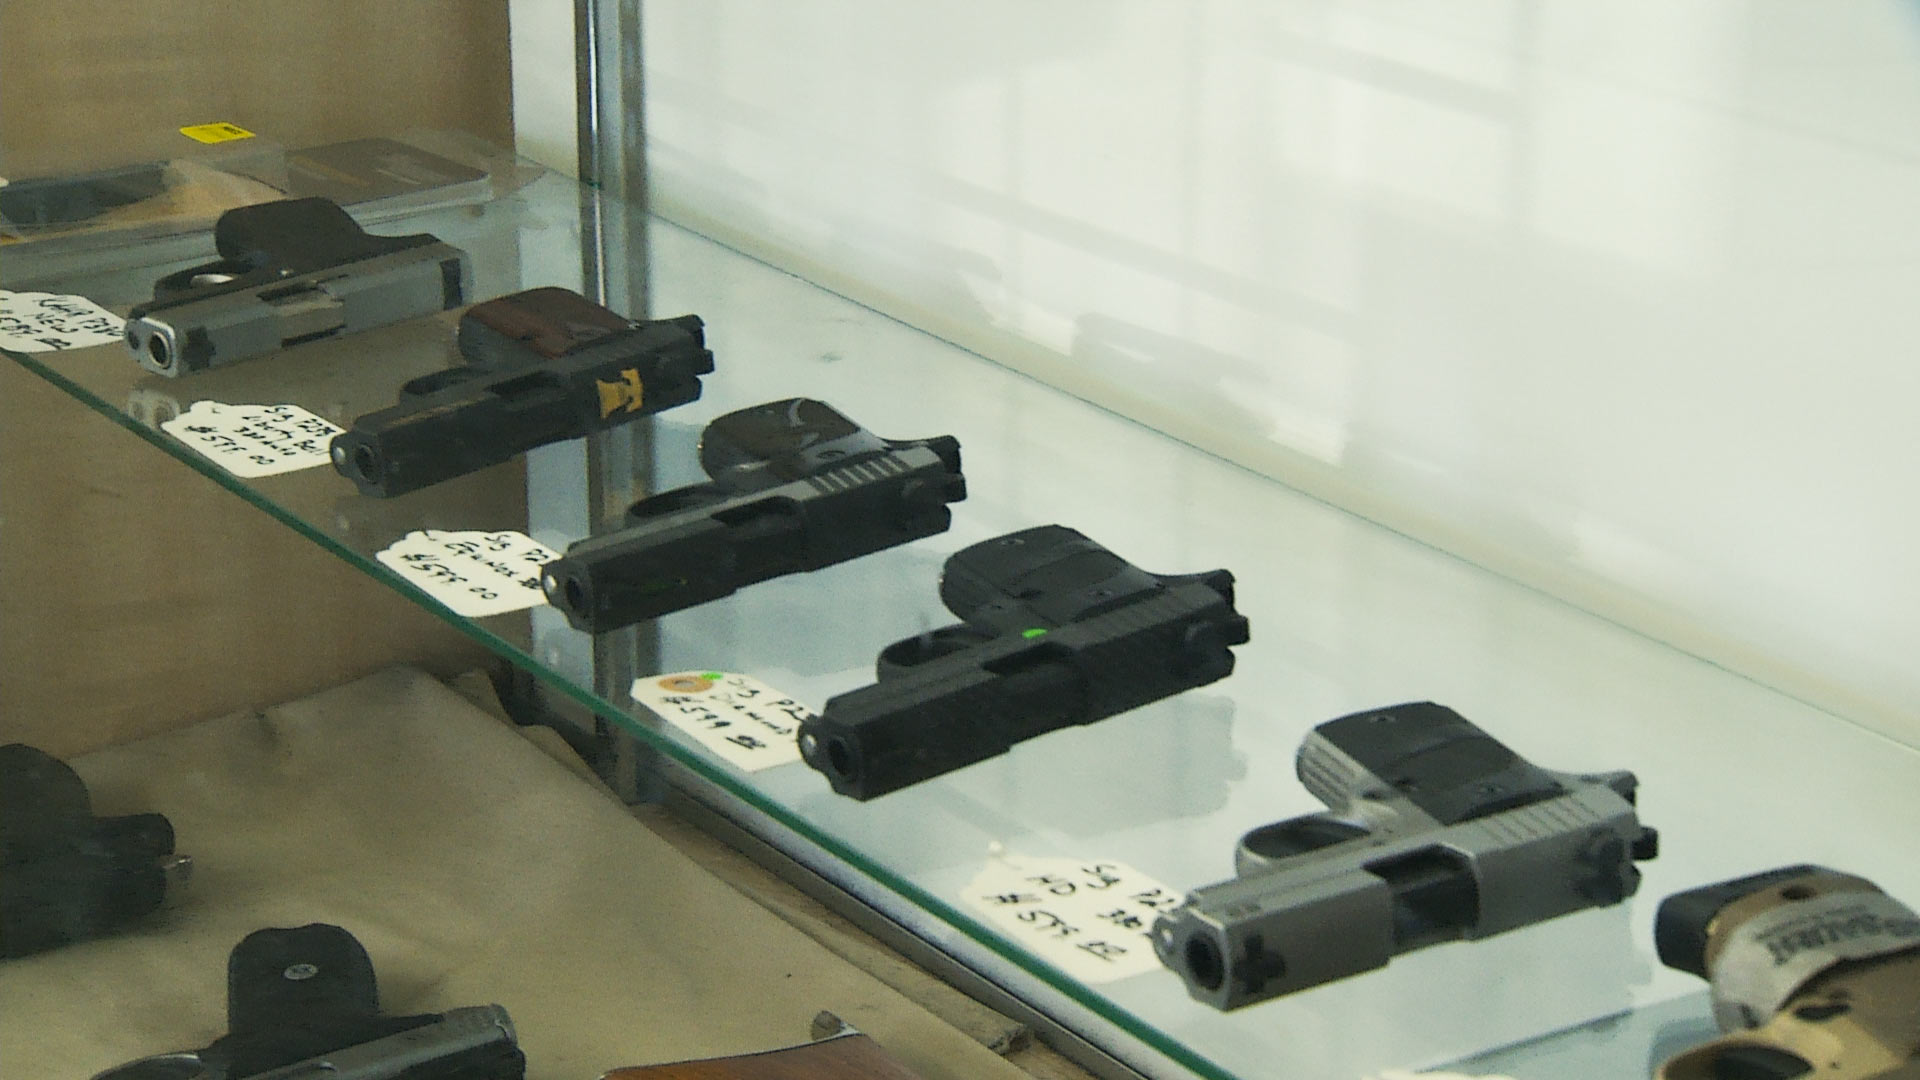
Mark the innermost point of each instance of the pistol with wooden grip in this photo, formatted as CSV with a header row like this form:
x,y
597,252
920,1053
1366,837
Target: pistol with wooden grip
x,y
1435,832
542,366
302,1004
1814,973
289,272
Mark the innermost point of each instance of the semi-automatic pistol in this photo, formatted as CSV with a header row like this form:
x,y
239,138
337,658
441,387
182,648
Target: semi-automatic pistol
x,y
66,875
289,272
1058,631
1436,831
302,1004
542,366
1814,973
795,487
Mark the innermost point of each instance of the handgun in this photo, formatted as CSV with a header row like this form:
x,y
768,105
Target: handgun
x,y
1436,832
1813,973
302,1003
1056,630
795,486
38,202
66,875
542,365
291,271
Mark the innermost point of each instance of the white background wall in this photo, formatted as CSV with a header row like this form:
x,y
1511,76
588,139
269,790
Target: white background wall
x,y
541,38
1620,299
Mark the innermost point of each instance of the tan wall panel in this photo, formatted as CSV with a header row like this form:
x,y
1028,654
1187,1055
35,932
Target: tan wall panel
x,y
92,83
137,595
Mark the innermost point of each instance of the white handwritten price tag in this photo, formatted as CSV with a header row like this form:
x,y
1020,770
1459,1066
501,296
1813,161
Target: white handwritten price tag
x,y
1086,917
254,440
747,723
473,573
44,322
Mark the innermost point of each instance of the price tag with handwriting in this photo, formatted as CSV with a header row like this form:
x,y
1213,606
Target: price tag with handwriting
x,y
745,722
1090,918
45,322
254,440
474,573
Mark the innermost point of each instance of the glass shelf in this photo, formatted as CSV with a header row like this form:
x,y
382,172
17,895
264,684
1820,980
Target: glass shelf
x,y
1345,615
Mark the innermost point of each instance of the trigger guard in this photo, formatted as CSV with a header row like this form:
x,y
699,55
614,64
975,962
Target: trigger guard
x,y
909,653
675,501
180,282
1282,840
422,385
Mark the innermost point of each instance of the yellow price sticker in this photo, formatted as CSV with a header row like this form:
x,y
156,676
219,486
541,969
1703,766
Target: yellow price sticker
x,y
626,393
216,133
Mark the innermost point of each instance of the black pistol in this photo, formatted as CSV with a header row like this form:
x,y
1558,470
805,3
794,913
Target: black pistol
x,y
1814,973
303,1003
542,366
291,271
1058,630
795,486
1436,831
66,875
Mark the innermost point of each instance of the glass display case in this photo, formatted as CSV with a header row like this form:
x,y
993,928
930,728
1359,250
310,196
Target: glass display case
x,y
1345,616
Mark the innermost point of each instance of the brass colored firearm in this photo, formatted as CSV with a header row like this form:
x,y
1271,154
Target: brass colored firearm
x,y
1815,974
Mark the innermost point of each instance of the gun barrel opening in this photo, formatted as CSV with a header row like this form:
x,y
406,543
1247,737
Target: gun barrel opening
x,y
831,754
1204,964
840,757
366,463
567,592
158,349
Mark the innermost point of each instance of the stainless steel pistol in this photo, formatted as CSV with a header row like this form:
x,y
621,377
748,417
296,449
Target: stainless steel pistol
x,y
302,1005
1436,831
291,271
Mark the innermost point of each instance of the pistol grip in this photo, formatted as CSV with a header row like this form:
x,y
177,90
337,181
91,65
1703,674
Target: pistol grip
x,y
903,656
1282,840
278,976
66,875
